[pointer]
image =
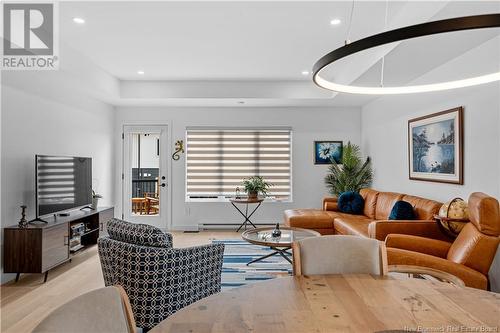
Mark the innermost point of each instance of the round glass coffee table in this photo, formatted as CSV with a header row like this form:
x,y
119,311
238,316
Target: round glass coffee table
x,y
281,245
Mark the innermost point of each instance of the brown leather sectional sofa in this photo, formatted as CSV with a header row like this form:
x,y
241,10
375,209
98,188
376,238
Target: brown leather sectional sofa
x,y
417,242
374,222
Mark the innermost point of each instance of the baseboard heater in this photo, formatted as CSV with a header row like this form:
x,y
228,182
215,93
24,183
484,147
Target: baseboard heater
x,y
207,226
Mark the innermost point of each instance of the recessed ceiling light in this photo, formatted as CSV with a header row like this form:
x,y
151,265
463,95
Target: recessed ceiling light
x,y
305,72
335,22
78,20
140,72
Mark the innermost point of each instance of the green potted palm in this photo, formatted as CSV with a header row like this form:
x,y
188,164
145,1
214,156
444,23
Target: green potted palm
x,y
256,185
352,175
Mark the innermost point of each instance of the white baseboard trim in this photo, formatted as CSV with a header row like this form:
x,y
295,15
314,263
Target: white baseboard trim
x,y
217,224
185,228
221,226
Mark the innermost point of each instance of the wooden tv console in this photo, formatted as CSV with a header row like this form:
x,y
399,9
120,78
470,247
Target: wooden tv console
x,y
43,246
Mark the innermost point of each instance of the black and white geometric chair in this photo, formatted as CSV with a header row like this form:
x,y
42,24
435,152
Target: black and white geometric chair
x,y
158,279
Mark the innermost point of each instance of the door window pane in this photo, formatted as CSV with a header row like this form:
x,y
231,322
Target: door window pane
x,y
145,174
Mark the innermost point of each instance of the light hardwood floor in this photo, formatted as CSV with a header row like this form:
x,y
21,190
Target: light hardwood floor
x,y
25,303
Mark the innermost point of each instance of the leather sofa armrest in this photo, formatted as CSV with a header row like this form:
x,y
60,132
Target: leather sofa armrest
x,y
424,228
469,276
433,247
330,203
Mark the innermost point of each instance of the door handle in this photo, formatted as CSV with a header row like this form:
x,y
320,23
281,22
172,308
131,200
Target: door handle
x,y
66,238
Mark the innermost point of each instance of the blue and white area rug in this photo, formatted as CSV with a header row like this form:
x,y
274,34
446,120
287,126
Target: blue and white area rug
x,y
238,253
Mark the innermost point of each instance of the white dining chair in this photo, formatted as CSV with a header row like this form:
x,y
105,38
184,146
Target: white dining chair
x,y
102,310
339,254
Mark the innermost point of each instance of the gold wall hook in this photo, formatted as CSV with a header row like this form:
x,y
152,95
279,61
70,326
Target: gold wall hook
x,y
179,148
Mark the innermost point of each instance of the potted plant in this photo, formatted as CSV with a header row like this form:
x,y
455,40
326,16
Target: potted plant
x,y
255,185
95,199
352,175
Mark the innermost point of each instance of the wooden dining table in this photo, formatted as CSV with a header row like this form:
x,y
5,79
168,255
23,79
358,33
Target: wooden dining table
x,y
340,303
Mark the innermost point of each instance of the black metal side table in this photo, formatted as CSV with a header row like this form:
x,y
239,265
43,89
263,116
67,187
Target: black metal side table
x,y
246,201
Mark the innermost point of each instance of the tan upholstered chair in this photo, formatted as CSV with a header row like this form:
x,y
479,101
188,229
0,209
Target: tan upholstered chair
x,y
101,310
339,254
469,257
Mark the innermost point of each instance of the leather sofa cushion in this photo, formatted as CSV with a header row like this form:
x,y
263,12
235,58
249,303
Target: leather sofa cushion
x,y
357,225
385,202
474,249
309,218
327,231
370,197
425,209
484,213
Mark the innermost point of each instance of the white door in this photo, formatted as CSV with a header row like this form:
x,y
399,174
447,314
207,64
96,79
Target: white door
x,y
145,175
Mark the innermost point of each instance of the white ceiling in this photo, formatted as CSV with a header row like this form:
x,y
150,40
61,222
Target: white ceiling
x,y
256,42
214,40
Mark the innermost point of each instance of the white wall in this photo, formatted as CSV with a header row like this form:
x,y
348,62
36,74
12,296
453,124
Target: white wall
x,y
308,124
385,121
384,125
34,124
384,138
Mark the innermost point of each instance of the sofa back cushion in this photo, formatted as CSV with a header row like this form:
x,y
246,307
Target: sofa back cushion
x,y
425,209
385,202
484,212
370,197
474,249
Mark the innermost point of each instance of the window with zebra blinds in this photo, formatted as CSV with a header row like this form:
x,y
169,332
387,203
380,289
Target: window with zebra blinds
x,y
219,159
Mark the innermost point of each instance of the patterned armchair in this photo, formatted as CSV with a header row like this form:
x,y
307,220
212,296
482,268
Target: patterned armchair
x,y
158,279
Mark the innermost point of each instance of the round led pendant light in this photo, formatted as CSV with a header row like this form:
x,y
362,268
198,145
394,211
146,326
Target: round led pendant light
x,y
414,31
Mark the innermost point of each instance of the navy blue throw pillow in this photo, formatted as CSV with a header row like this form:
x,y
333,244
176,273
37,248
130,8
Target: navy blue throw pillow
x,y
402,210
351,203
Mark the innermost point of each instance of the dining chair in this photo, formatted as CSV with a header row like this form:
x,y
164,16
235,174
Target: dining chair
x,y
152,203
339,254
102,310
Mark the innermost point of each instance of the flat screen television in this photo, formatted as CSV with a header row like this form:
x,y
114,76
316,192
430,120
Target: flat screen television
x,y
62,183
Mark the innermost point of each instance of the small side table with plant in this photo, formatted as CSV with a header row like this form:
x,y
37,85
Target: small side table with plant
x,y
253,186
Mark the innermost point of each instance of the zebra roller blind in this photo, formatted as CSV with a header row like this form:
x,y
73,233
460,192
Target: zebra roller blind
x,y
217,161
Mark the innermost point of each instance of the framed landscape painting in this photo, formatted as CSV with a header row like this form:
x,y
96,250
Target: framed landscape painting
x,y
435,147
326,151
